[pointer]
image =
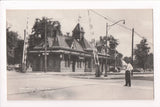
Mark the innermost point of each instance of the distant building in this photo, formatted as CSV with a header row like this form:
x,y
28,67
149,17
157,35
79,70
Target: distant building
x,y
66,53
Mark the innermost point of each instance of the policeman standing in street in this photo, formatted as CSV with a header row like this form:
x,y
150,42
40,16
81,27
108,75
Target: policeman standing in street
x,y
129,68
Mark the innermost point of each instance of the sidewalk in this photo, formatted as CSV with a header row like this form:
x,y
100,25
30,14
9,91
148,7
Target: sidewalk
x,y
91,75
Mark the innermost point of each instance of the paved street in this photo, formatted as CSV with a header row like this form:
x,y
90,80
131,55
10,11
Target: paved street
x,y
60,86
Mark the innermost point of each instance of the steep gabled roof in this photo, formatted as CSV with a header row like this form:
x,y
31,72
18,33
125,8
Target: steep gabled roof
x,y
76,45
73,43
77,28
61,42
69,40
85,44
78,32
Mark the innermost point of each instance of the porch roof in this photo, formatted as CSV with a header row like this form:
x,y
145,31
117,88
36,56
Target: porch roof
x,y
66,51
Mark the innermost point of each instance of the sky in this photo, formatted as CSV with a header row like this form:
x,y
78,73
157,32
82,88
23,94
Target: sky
x,y
139,19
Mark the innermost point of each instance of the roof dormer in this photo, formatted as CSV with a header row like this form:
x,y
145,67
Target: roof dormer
x,y
78,32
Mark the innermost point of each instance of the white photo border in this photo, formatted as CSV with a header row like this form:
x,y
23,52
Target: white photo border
x,y
80,5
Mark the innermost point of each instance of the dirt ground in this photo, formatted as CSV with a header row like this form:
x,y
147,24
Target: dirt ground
x,y
68,86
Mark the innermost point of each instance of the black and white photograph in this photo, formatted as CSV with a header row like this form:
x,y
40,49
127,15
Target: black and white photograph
x,y
79,54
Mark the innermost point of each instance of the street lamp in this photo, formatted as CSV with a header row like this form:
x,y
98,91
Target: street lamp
x,y
117,23
107,27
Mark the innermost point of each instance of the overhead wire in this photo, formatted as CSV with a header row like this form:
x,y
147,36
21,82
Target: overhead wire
x,y
113,21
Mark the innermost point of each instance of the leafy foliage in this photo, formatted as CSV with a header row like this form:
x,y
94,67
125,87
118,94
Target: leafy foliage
x,y
111,49
19,51
14,47
11,44
113,43
149,62
118,59
127,59
141,53
52,28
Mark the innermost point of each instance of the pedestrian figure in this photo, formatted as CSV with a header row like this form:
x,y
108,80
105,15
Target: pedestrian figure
x,y
128,75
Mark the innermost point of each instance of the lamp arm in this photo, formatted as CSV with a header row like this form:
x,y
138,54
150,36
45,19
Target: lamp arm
x,y
116,23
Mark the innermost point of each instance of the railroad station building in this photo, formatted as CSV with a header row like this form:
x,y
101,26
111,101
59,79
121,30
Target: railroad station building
x,y
67,53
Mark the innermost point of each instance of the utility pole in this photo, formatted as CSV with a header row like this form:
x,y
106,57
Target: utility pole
x,y
45,54
25,46
24,54
132,46
105,75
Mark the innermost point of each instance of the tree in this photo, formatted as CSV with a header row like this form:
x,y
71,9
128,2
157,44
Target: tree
x,y
113,43
141,53
12,38
118,59
14,47
127,59
111,49
52,29
19,51
149,62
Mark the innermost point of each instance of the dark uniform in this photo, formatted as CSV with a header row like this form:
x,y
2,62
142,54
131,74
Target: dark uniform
x,y
128,78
